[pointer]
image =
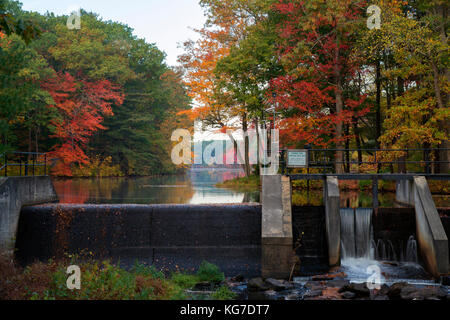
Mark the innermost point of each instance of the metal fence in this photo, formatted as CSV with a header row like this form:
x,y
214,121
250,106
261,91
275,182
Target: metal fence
x,y
23,164
373,161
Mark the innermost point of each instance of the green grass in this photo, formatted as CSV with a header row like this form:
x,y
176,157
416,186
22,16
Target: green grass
x,y
251,183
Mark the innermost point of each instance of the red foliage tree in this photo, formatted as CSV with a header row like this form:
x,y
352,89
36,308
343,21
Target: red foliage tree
x,y
81,105
317,37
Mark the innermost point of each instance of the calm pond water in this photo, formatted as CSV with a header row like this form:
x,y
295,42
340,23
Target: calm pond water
x,y
195,187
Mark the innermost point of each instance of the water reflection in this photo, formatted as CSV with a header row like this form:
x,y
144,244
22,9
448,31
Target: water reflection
x,y
198,187
357,199
195,187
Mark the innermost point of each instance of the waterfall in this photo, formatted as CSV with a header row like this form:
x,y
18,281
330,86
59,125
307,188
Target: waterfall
x,y
386,251
411,250
357,239
356,233
348,244
363,231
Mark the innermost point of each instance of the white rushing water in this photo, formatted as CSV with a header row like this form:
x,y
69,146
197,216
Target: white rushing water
x,y
363,257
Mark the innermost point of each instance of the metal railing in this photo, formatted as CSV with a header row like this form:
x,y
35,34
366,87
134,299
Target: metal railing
x,y
379,161
23,164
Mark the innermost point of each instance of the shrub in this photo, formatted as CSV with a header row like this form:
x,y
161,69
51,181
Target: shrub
x,y
224,293
210,272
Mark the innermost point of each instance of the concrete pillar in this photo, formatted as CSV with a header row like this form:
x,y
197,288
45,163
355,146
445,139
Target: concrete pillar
x,y
432,240
16,192
331,200
404,192
277,242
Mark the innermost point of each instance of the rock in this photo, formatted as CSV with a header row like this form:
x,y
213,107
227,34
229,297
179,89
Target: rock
x,y
395,290
348,295
238,278
383,290
278,285
203,286
328,277
293,296
338,283
310,284
433,293
359,289
313,294
257,284
410,292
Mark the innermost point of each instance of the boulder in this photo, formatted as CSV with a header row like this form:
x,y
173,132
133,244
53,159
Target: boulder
x,y
359,289
383,290
396,289
257,284
278,285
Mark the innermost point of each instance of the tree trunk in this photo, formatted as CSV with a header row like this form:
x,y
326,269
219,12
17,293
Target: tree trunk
x,y
258,148
357,140
247,168
339,108
378,105
347,147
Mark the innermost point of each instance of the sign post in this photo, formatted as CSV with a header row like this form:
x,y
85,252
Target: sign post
x,y
297,158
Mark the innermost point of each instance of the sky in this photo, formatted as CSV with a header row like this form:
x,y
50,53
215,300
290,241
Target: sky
x,y
168,23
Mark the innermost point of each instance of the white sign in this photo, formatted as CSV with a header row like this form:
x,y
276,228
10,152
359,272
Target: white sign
x,y
297,159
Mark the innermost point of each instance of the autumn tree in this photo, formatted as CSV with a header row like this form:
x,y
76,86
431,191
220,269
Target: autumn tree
x,y
318,37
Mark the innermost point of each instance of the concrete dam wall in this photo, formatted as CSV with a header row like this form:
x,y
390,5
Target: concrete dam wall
x,y
166,236
16,192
